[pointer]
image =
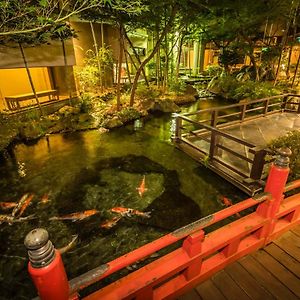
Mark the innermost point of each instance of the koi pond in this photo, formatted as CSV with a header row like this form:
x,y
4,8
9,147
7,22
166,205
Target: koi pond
x,y
91,170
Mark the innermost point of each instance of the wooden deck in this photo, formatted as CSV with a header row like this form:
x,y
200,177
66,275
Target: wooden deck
x,y
270,273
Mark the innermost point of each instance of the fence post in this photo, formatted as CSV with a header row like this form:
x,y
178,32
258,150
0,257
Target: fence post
x,y
192,245
258,163
214,135
284,103
46,267
178,123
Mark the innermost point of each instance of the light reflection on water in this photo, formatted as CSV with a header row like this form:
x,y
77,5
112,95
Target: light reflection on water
x,y
94,170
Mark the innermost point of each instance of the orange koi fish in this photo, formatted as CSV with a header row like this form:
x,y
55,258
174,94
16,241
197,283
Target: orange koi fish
x,y
7,205
129,212
45,199
227,202
77,216
110,223
25,204
142,188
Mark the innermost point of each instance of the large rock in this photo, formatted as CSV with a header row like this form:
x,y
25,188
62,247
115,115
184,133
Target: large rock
x,y
165,105
112,123
68,110
31,131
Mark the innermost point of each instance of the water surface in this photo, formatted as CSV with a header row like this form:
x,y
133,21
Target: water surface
x,y
93,170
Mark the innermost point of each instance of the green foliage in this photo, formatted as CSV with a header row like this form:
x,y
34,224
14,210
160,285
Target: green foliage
x,y
85,104
230,87
292,141
128,114
91,75
214,70
177,86
230,56
145,92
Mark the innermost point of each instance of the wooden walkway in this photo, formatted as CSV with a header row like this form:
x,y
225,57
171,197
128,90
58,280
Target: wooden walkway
x,y
270,273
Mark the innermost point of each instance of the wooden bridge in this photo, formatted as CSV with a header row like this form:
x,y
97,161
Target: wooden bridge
x,y
270,273
199,256
232,140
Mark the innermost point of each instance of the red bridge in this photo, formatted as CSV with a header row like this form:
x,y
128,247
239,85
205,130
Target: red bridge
x,y
200,256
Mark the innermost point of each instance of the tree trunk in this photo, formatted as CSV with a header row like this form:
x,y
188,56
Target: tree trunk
x,y
179,56
30,79
119,70
67,72
136,55
297,66
97,56
156,47
253,61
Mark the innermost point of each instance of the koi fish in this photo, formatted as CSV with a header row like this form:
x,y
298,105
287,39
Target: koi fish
x,y
227,202
19,205
129,212
69,246
110,223
25,204
10,219
45,199
77,216
142,188
7,205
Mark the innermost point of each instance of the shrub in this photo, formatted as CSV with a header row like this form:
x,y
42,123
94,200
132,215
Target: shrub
x,y
292,141
146,92
128,114
85,103
177,86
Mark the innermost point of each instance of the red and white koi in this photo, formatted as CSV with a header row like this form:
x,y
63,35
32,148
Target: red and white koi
x,y
20,204
10,219
77,216
25,205
129,212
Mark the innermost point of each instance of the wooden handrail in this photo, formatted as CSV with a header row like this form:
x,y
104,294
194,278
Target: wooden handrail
x,y
238,104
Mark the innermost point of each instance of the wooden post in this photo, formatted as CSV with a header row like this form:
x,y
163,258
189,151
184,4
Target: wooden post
x,y
214,135
243,112
266,106
178,122
258,164
284,103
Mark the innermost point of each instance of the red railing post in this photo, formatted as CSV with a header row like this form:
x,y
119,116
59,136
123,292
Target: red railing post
x,y
277,178
275,186
46,267
192,245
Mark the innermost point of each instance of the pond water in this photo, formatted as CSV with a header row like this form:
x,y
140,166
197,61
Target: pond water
x,y
93,170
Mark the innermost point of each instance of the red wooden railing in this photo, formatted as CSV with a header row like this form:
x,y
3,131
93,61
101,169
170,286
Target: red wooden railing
x,y
201,255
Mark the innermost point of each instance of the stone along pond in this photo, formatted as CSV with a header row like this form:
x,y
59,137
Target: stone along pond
x,y
82,171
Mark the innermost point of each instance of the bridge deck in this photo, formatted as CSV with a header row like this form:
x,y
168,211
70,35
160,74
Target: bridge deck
x,y
270,273
259,132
